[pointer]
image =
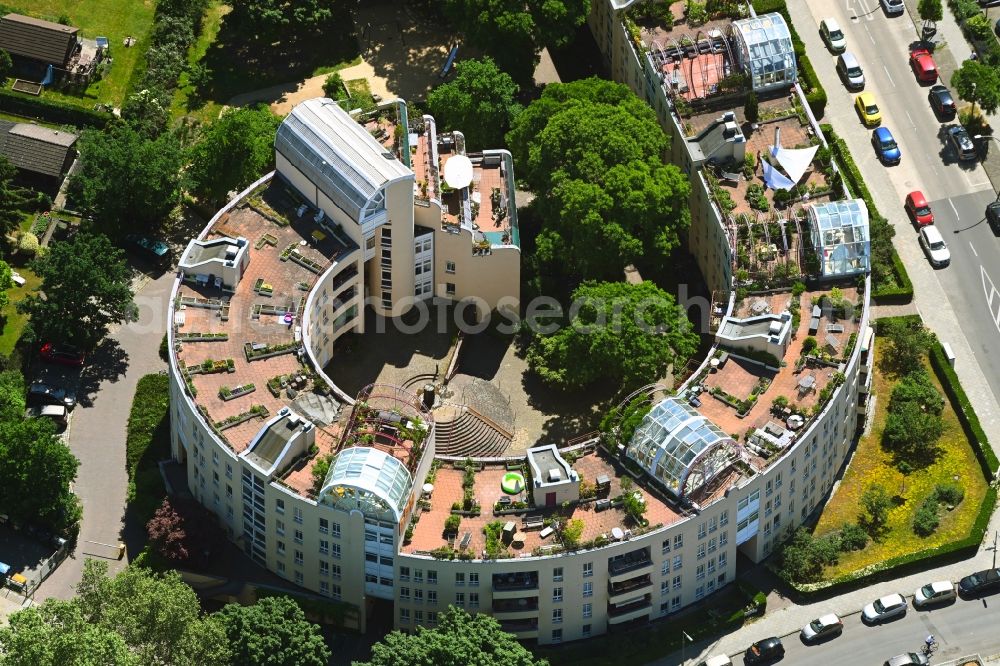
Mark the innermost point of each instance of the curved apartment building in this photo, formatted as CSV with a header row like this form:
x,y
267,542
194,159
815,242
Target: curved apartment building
x,y
345,496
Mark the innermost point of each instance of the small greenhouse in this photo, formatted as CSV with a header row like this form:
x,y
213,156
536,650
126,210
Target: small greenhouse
x,y
764,51
840,237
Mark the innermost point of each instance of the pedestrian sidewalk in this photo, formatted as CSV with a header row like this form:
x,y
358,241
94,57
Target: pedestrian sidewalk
x,y
790,619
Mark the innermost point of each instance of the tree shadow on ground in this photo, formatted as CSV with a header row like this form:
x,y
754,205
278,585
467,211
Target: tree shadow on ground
x,y
108,362
239,64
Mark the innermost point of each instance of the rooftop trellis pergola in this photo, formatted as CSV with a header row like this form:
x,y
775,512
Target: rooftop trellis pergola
x,y
840,236
390,419
680,448
765,51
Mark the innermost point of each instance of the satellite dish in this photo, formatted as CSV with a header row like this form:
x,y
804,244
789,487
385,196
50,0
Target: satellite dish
x,y
458,171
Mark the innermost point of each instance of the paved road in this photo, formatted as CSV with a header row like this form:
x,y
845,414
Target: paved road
x,y
952,301
97,437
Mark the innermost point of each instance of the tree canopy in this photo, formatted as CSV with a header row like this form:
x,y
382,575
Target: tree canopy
x,y
479,102
273,632
5,283
458,640
912,433
513,32
917,387
616,332
126,180
85,289
596,151
11,198
37,471
978,83
267,19
233,151
6,65
12,390
930,10
909,343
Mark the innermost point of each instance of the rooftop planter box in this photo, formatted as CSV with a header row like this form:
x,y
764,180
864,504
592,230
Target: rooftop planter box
x,y
236,419
227,393
210,367
202,337
255,352
262,287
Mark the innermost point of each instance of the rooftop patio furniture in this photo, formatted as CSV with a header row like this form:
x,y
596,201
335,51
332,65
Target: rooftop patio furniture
x,y
544,534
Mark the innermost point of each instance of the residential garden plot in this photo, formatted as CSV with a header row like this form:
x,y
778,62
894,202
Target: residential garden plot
x,y
871,464
11,320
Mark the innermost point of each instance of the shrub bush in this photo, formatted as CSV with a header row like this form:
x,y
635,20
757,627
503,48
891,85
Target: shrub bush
x,y
926,520
949,493
852,537
451,523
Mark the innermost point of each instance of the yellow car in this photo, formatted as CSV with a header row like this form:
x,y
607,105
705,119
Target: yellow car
x,y
866,107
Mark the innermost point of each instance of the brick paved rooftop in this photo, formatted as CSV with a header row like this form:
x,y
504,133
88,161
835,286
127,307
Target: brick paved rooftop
x,y
429,531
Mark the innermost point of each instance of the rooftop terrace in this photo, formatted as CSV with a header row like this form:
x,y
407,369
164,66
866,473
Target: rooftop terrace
x,y
217,331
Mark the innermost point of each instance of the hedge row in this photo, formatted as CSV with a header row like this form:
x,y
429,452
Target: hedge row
x,y
902,291
815,94
59,113
904,564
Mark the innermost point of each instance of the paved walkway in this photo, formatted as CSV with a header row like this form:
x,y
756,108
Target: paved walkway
x,y
98,435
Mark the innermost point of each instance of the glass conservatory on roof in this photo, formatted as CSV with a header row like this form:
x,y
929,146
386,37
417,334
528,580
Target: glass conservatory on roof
x,y
840,237
679,447
764,51
370,480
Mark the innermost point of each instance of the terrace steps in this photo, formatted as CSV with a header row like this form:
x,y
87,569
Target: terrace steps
x,y
469,435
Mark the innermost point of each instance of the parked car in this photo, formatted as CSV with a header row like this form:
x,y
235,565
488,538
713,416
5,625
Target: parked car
x,y
980,582
889,606
827,626
56,413
922,64
907,659
886,148
934,246
149,249
866,107
40,393
959,139
993,215
831,33
62,354
942,102
893,7
765,651
918,209
938,592
850,71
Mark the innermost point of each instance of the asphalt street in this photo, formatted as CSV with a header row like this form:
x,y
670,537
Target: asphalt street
x,y
958,301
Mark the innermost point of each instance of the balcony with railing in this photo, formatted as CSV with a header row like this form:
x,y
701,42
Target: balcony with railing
x,y
521,628
628,588
515,609
630,611
511,586
620,566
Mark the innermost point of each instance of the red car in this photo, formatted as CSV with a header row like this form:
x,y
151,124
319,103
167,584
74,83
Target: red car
x,y
62,354
918,208
923,65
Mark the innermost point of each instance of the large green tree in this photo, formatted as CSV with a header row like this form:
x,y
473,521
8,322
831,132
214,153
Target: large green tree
x,y
233,151
272,632
5,283
917,387
12,389
85,289
978,83
479,102
513,31
909,343
6,65
158,617
596,151
459,639
616,332
268,19
11,198
912,433
126,180
36,473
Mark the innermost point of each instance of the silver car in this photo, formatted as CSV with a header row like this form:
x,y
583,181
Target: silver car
x,y
886,608
822,627
893,6
934,246
938,592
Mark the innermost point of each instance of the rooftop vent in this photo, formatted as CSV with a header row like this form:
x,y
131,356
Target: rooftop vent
x,y
728,116
730,130
775,328
388,155
283,411
555,475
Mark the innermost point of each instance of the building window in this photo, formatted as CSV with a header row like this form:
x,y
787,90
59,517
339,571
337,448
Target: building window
x,y
665,569
459,579
298,557
588,589
279,505
723,539
677,582
335,570
711,545
418,596
404,615
724,518
298,536
324,587
404,573
449,288
665,546
281,568
557,594
324,526
281,548
557,616
432,596
586,631
324,568
279,527
404,594
297,515
473,600
449,267
675,603
336,530
473,580
299,579
665,588
418,616
722,560
557,635
557,574
700,572
336,551
711,566
699,592
460,599
677,562
432,617
432,577
335,591
588,569
702,531
588,610
678,541
418,576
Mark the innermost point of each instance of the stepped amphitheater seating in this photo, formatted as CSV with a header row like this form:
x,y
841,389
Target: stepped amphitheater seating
x,y
469,436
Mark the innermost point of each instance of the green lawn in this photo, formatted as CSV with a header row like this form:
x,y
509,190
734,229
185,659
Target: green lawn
x,y
871,464
13,321
114,19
